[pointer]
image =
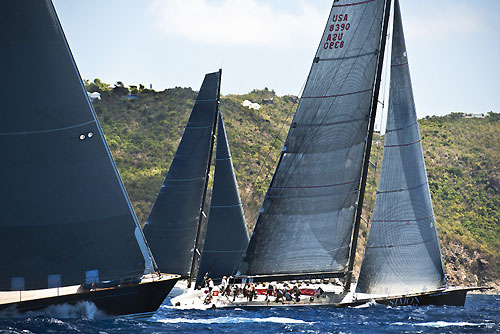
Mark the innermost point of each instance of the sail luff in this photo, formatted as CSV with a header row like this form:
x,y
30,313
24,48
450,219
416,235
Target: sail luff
x,y
366,163
150,264
402,253
173,224
65,216
226,236
200,221
305,224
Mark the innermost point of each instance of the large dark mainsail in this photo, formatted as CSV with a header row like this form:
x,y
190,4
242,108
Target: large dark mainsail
x,y
64,215
402,254
227,236
306,221
173,225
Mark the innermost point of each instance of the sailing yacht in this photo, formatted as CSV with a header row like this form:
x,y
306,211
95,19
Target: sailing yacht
x,y
69,233
176,223
304,241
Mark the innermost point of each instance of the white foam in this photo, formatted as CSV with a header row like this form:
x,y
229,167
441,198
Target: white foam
x,y
440,324
65,311
369,304
233,320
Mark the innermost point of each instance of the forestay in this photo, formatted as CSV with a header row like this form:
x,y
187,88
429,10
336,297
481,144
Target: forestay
x,y
227,235
402,254
65,218
307,217
173,223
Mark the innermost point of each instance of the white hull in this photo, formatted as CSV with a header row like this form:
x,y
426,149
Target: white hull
x,y
331,295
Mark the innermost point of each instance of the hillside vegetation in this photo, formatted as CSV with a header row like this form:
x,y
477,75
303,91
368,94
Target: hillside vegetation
x,y
462,157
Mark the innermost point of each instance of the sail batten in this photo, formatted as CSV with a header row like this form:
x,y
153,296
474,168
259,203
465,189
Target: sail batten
x,y
403,253
173,224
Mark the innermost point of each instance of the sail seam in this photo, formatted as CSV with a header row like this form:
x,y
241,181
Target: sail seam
x,y
353,4
403,245
171,229
207,100
184,180
401,220
350,57
46,131
337,95
330,124
400,190
320,186
399,129
225,206
199,127
402,64
316,196
221,251
400,145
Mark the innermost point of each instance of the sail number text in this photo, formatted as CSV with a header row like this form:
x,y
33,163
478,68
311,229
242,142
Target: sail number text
x,y
338,26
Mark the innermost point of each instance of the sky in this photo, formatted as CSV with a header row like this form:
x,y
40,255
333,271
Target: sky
x,y
453,45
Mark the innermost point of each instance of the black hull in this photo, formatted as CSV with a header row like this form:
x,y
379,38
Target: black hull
x,y
445,298
144,298
452,297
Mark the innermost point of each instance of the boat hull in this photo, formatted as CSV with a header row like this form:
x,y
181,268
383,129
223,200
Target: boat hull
x,y
141,299
451,297
448,297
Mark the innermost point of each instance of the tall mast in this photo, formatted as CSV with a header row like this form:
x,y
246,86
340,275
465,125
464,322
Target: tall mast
x,y
202,208
366,162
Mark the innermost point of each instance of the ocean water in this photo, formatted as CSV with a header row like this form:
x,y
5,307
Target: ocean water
x,y
481,314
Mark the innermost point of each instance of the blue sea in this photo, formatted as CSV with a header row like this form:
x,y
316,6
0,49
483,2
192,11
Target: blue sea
x,y
481,314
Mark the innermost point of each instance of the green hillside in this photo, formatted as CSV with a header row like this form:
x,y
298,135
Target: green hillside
x,y
462,157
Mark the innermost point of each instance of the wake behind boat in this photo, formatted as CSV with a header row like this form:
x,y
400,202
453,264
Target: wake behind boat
x,y
68,230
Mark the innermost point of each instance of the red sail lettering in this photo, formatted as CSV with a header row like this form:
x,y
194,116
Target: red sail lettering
x,y
345,17
329,38
334,18
340,17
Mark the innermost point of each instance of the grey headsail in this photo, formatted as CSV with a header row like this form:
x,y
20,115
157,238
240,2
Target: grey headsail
x,y
173,224
227,236
402,254
64,215
306,221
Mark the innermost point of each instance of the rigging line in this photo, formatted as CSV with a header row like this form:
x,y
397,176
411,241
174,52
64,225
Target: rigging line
x,y
373,193
260,173
46,131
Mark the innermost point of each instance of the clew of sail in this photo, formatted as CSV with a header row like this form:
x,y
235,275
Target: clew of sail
x,y
402,254
306,221
227,236
173,225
